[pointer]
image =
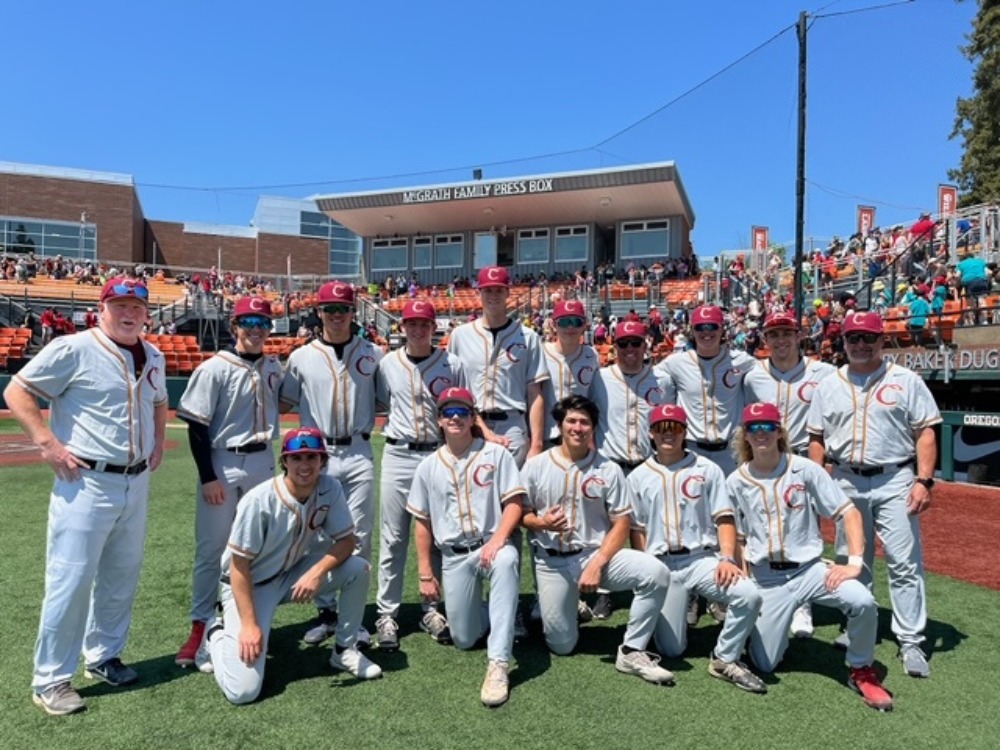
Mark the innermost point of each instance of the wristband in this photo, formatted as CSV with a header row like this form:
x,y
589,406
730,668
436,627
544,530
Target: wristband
x,y
730,560
426,579
857,560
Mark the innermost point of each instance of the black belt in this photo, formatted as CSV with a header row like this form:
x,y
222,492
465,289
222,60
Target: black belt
x,y
129,471
685,551
226,580
872,471
628,465
413,446
239,450
708,446
464,549
784,565
346,440
496,415
561,553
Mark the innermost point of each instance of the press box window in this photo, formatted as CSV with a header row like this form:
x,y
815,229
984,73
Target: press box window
x,y
571,244
449,250
389,255
422,249
533,246
645,239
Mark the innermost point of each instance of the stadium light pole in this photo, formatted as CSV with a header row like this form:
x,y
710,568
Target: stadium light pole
x,y
800,171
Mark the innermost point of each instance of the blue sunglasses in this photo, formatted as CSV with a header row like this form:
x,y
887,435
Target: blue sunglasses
x,y
450,412
130,290
305,442
763,427
254,321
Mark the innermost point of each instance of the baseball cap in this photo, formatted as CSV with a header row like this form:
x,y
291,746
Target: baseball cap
x,y
493,276
668,413
708,314
780,320
568,309
335,291
630,329
252,306
923,289
457,396
761,412
419,309
866,322
122,287
303,440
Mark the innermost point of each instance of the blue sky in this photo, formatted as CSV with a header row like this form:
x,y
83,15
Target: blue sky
x,y
226,101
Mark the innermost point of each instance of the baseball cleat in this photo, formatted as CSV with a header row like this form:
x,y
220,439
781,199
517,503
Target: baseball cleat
x,y
692,609
436,626
583,611
737,673
496,686
602,608
113,672
387,632
645,665
203,658
322,628
59,700
520,628
914,661
364,638
864,681
802,622
185,657
353,661
718,611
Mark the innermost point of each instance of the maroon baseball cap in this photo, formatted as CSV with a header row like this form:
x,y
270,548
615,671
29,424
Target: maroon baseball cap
x,y
630,329
419,309
761,412
708,314
334,292
124,288
457,396
866,322
780,320
493,276
668,413
569,309
252,306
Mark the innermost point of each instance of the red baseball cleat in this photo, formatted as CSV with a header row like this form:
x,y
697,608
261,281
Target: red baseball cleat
x,y
866,682
185,657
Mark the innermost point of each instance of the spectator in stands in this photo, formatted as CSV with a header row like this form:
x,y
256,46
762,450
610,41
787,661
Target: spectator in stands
x,y
919,310
975,279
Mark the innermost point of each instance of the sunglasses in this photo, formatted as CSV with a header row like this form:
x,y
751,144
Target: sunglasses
x,y
570,322
305,442
460,412
702,327
130,290
630,343
337,309
665,428
758,427
254,321
857,338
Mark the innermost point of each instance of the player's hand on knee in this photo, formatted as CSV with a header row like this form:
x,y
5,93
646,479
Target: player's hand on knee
x,y
304,590
590,579
488,553
727,573
837,574
251,644
214,492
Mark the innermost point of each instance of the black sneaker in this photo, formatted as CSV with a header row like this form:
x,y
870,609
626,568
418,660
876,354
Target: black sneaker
x,y
113,672
602,608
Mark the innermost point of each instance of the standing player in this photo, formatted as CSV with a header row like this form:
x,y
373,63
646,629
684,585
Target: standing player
x,y
578,515
779,498
681,510
409,382
292,541
231,409
875,423
788,380
107,423
625,393
332,381
572,365
467,498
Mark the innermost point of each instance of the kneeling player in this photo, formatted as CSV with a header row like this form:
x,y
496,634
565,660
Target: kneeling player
x,y
681,509
280,550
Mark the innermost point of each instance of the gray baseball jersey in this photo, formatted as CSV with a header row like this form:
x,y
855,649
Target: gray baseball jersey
x,y
779,515
568,376
872,422
410,391
710,390
593,494
464,496
790,391
499,369
335,395
236,399
625,402
677,506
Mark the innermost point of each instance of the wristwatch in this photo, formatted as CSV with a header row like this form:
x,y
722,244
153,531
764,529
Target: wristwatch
x,y
926,482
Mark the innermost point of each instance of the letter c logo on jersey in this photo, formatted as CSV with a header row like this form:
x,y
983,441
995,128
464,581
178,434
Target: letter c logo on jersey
x,y
586,375
882,397
691,486
438,386
806,390
272,379
318,517
588,483
150,374
483,475
654,396
731,378
365,365
790,494
513,348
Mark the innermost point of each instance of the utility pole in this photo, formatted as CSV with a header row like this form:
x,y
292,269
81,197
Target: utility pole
x,y
800,169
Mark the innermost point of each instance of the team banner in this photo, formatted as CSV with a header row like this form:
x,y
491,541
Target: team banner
x,y
866,219
761,239
947,200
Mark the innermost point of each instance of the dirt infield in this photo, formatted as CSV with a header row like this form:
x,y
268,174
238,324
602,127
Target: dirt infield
x,y
964,517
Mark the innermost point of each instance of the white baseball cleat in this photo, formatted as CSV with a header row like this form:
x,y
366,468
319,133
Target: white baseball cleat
x,y
802,622
353,661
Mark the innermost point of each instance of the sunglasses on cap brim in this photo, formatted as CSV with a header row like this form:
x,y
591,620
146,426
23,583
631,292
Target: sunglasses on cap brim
x,y
129,290
305,443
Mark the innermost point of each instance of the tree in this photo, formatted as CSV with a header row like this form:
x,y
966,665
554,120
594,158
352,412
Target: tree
x,y
977,118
